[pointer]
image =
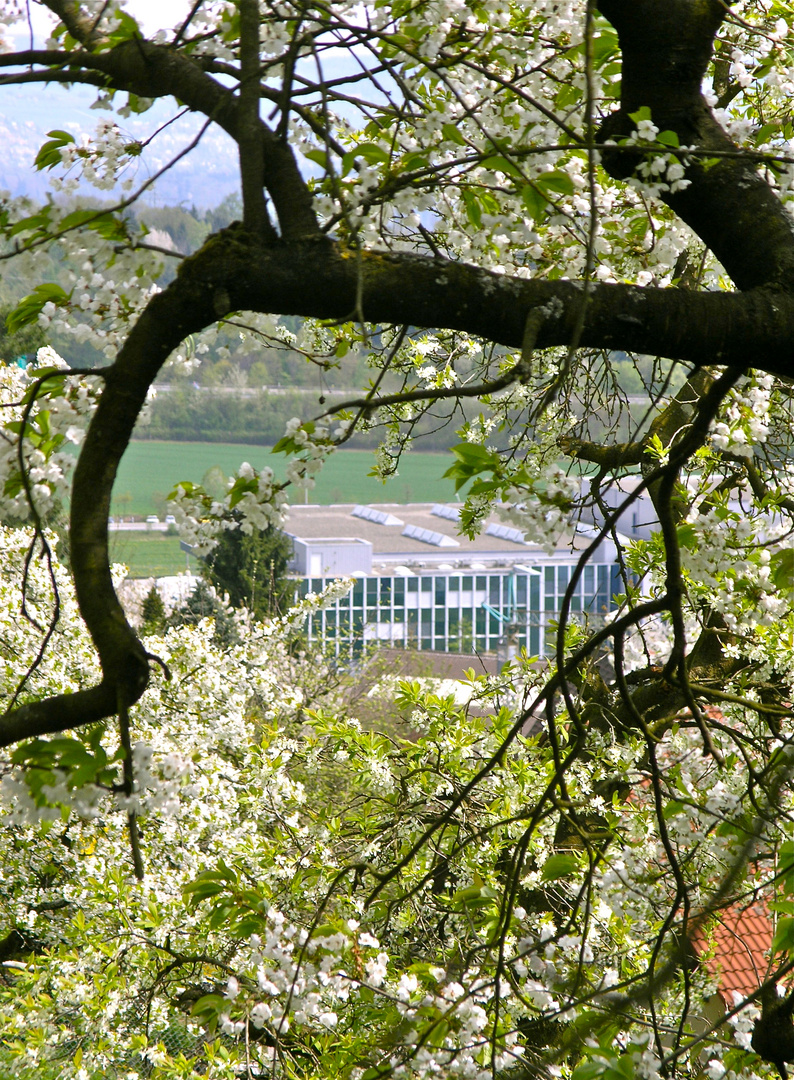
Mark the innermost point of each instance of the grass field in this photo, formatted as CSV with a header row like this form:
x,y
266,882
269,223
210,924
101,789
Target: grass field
x,y
150,554
150,470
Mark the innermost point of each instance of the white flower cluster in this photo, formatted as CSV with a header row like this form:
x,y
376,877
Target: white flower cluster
x,y
313,603
101,309
21,807
157,781
58,418
293,987
747,417
287,978
98,161
254,500
11,11
723,555
664,171
314,442
545,515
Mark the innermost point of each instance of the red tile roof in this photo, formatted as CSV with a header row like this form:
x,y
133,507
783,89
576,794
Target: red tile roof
x,y
737,949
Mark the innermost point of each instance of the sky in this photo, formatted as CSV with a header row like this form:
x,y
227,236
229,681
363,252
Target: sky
x,y
28,112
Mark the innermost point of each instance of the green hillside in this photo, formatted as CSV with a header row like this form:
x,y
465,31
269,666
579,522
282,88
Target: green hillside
x,y
149,470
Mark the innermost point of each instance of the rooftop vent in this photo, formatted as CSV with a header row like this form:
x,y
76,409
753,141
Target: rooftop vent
x,y
427,536
451,513
377,517
505,532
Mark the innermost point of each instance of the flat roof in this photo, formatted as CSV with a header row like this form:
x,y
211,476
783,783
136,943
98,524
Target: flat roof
x,y
390,545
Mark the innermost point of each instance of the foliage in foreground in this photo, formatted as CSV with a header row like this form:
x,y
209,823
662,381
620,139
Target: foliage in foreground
x,y
326,901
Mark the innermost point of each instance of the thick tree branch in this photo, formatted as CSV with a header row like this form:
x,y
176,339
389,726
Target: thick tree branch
x,y
233,273
321,279
249,128
81,28
666,49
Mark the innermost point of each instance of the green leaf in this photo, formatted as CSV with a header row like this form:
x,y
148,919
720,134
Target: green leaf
x,y
588,1070
475,454
782,573
559,866
502,165
319,157
126,28
687,537
783,940
28,309
605,45
108,226
556,181
473,208
451,134
534,200
643,113
621,1068
137,105
49,154
370,152
209,1006
35,223
472,459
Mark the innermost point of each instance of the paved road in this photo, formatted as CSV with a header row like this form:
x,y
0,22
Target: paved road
x,y
137,526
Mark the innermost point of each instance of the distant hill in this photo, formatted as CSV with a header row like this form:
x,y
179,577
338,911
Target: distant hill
x,y
202,178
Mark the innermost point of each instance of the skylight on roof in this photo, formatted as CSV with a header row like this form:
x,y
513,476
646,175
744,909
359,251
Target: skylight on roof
x,y
451,513
505,532
427,536
377,517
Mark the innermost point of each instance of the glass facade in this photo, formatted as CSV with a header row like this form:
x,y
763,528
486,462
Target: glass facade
x,y
460,612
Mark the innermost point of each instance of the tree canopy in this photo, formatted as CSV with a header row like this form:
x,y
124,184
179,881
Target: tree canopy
x,y
496,202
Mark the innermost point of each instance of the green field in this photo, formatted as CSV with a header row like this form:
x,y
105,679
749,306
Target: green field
x,y
150,554
149,471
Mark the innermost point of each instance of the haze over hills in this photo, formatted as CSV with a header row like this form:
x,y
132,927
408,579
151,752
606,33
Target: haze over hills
x,y
203,177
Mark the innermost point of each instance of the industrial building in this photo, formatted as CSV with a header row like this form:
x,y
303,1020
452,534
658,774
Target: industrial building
x,y
421,585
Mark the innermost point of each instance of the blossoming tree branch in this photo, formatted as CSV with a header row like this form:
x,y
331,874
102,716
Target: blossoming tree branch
x,y
508,204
